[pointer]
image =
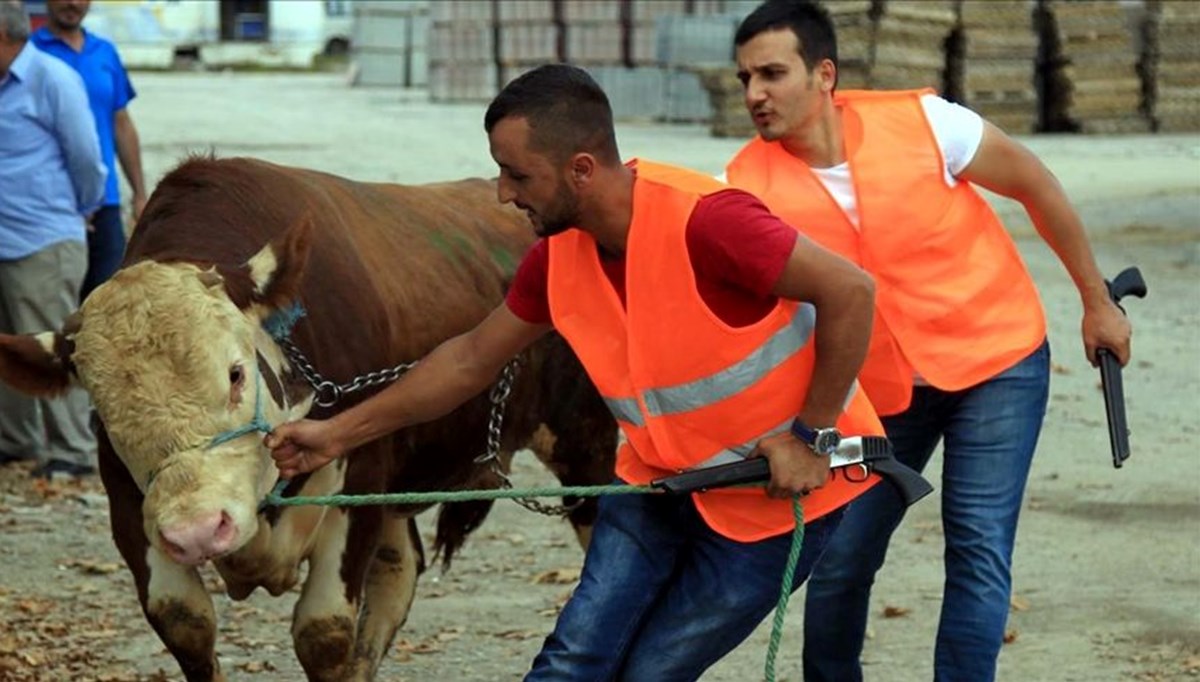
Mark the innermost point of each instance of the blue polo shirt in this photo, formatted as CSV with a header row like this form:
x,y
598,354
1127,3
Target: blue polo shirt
x,y
108,88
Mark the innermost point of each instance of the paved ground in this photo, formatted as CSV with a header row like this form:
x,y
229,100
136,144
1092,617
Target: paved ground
x,y
1108,562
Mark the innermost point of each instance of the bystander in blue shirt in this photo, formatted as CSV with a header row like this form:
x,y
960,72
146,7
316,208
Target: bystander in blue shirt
x,y
52,176
109,90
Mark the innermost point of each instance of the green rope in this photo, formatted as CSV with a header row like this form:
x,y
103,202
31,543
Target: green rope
x,y
455,495
785,592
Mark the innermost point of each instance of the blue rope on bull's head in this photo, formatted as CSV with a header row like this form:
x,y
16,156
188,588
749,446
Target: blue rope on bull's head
x,y
257,423
279,323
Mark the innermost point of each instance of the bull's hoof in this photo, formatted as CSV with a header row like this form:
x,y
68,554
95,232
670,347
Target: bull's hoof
x,y
326,648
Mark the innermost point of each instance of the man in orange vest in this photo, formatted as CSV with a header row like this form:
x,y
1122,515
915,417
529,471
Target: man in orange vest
x,y
958,351
702,342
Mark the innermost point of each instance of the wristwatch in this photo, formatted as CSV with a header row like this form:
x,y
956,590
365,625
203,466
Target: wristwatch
x,y
824,442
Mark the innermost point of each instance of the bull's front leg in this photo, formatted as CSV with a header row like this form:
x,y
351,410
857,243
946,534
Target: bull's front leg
x,y
325,619
390,588
180,610
172,596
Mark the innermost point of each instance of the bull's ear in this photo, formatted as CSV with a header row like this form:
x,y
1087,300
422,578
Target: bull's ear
x,y
36,365
278,268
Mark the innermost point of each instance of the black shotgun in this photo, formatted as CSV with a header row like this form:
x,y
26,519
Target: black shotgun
x,y
1128,283
872,452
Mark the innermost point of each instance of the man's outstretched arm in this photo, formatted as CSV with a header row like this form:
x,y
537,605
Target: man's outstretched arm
x,y
451,374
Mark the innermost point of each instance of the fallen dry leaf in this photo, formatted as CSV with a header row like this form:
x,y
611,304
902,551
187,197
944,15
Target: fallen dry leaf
x,y
1017,603
449,634
518,635
1011,635
896,611
256,667
558,576
35,607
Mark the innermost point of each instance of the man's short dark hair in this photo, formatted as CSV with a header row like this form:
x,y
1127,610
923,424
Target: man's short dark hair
x,y
567,112
807,19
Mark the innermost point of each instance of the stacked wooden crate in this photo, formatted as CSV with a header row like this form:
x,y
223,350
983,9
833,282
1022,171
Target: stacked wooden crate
x,y
854,22
998,63
1172,65
1092,83
909,41
527,35
462,51
726,98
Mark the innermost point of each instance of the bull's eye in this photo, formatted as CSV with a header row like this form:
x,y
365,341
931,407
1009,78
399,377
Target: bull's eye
x,y
237,376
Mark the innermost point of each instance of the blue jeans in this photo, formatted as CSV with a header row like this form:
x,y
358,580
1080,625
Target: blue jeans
x,y
106,248
662,596
990,432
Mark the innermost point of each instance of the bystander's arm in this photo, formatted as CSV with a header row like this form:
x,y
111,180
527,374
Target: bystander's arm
x,y
129,152
75,130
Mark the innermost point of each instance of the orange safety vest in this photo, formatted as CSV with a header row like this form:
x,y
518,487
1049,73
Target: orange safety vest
x,y
954,301
688,390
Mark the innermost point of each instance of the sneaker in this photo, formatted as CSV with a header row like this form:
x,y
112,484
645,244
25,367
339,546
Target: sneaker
x,y
56,468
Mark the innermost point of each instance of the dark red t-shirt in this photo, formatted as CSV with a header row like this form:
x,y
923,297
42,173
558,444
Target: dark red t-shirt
x,y
738,250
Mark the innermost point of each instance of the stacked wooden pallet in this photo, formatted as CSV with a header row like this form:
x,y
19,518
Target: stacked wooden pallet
x,y
1171,65
854,22
998,63
727,102
527,35
908,46
462,59
1090,68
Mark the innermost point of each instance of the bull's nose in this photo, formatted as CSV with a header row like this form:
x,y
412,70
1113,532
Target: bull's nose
x,y
198,539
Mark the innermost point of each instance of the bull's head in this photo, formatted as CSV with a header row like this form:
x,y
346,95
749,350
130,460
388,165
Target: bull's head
x,y
171,361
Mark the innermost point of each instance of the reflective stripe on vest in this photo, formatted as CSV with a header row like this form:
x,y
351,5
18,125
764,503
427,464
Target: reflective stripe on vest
x,y
626,410
687,389
738,377
723,384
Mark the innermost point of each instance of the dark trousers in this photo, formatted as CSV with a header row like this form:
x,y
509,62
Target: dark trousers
x,y
106,248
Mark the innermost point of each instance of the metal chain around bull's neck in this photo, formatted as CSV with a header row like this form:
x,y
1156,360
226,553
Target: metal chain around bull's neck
x,y
329,393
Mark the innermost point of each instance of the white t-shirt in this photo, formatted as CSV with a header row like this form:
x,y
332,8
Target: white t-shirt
x,y
958,132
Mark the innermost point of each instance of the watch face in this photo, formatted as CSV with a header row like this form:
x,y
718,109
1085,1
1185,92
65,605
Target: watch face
x,y
827,441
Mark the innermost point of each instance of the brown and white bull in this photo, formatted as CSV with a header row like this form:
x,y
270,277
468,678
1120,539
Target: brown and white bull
x,y
173,353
